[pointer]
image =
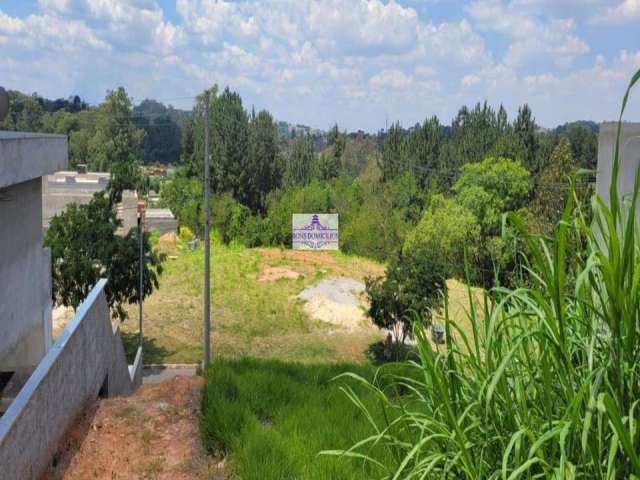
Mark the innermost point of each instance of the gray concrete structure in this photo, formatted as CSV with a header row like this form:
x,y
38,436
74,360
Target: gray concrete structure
x,y
87,360
160,219
630,155
25,266
65,187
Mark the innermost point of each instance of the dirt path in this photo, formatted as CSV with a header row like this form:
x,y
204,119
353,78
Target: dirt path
x,y
152,434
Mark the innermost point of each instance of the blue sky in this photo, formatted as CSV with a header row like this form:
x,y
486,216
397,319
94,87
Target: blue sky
x,y
355,62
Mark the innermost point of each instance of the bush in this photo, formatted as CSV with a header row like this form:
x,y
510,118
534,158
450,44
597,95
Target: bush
x,y
411,288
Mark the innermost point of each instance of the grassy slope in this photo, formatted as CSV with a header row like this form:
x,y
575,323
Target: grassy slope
x,y
271,414
249,317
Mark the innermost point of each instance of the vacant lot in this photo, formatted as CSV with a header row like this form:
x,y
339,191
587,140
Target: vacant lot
x,y
255,309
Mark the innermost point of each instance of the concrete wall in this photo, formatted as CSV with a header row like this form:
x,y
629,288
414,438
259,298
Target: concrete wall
x,y
26,156
630,155
160,219
25,278
87,356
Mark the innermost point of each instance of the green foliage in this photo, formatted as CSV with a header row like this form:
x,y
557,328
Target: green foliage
x,y
551,194
584,143
264,157
447,231
475,132
358,152
525,129
546,384
491,188
299,162
86,247
281,205
392,161
115,138
424,147
162,134
411,289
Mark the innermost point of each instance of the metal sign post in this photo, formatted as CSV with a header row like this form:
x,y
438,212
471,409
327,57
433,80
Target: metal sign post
x,y
141,264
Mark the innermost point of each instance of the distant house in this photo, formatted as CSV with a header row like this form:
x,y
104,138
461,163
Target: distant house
x,y
65,187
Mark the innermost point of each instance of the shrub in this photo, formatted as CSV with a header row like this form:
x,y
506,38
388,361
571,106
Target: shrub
x,y
411,289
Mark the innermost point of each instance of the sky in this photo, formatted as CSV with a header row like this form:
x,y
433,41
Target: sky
x,y
358,63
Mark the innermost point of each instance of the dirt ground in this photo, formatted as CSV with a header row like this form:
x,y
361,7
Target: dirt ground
x,y
152,434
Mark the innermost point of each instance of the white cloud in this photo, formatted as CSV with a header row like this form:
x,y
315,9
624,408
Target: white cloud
x,y
394,79
623,12
532,39
320,61
470,80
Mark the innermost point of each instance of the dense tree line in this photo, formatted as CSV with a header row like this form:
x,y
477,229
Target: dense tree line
x,y
434,194
154,130
427,200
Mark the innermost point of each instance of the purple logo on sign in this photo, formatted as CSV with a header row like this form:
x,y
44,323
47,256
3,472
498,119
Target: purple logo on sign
x,y
314,235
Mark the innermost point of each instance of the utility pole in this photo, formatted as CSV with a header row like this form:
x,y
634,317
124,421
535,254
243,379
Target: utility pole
x,y
207,252
141,263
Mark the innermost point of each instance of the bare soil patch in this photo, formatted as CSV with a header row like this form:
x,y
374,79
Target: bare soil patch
x,y
308,262
152,434
271,274
169,237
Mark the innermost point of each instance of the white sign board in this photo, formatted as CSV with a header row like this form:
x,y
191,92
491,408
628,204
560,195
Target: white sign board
x,y
315,231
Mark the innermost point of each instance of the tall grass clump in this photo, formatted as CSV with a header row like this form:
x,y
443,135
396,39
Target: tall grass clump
x,y
547,385
271,418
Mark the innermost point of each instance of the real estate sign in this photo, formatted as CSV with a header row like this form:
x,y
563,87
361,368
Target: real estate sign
x,y
315,231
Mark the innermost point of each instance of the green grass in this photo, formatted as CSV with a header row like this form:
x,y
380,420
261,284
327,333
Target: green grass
x,y
249,317
275,417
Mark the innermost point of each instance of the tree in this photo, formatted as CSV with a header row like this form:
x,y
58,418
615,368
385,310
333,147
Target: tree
x,y
299,162
337,140
553,187
264,167
424,146
584,144
474,133
392,160
491,188
410,290
116,139
448,231
30,119
161,142
525,129
85,247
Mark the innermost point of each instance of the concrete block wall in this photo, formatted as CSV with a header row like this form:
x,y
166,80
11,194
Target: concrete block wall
x,y
25,278
87,356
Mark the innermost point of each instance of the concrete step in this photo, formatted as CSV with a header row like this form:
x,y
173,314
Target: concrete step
x,y
157,373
